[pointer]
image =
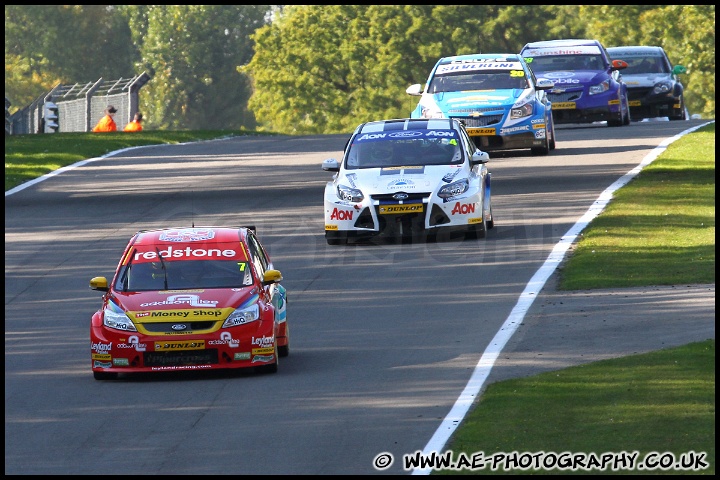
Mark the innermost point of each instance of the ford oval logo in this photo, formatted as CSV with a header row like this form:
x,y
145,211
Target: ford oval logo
x,y
400,196
179,326
405,134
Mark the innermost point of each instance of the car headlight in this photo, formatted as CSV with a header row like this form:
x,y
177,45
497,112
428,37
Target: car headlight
x,y
454,189
242,316
600,88
115,317
662,87
349,194
522,111
431,112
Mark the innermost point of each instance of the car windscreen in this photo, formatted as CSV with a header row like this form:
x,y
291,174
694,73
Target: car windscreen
x,y
644,64
173,267
552,63
481,80
404,148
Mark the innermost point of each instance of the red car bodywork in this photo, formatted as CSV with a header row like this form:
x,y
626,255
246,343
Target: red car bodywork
x,y
185,328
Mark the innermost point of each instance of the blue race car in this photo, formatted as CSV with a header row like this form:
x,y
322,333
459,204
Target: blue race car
x,y
496,96
588,84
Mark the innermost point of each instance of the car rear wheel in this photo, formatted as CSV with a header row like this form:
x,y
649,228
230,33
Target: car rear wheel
x,y
105,375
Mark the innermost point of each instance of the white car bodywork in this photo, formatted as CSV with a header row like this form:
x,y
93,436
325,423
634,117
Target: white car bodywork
x,y
447,187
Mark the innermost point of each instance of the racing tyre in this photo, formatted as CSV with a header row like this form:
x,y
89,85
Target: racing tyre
x,y
336,238
105,375
270,367
476,230
284,350
682,114
552,137
490,223
544,150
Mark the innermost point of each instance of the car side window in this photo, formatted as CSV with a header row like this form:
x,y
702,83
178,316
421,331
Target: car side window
x,y
257,255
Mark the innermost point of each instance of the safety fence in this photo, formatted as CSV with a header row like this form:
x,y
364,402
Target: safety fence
x,y
77,107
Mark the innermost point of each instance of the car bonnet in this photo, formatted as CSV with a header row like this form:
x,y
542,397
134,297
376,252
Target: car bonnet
x,y
428,178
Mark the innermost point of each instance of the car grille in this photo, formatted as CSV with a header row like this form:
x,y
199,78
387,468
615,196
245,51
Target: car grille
x,y
454,112
638,93
166,327
565,96
412,197
480,121
181,358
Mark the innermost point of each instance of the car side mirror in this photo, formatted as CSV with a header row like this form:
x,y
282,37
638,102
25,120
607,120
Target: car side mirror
x,y
271,276
331,165
99,283
479,157
619,64
678,69
415,89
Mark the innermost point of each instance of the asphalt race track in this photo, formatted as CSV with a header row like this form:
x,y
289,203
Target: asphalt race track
x,y
384,335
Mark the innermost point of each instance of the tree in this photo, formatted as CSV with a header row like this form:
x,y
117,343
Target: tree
x,y
191,53
50,44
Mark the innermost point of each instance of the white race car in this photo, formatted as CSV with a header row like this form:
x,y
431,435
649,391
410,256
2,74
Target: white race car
x,y
407,177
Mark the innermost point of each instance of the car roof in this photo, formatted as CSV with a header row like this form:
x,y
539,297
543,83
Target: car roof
x,y
399,124
499,57
637,49
173,236
562,43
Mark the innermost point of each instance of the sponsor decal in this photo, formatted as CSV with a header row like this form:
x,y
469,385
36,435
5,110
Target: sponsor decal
x,y
263,351
187,235
263,358
450,176
401,183
99,364
568,81
463,208
614,102
100,347
241,356
540,133
183,367
476,65
101,356
538,120
227,337
338,214
522,128
407,208
263,341
406,134
482,131
331,227
576,50
121,362
186,253
475,220
192,300
180,345
563,105
133,342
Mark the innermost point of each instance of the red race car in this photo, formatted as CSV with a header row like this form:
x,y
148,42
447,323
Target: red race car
x,y
196,298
